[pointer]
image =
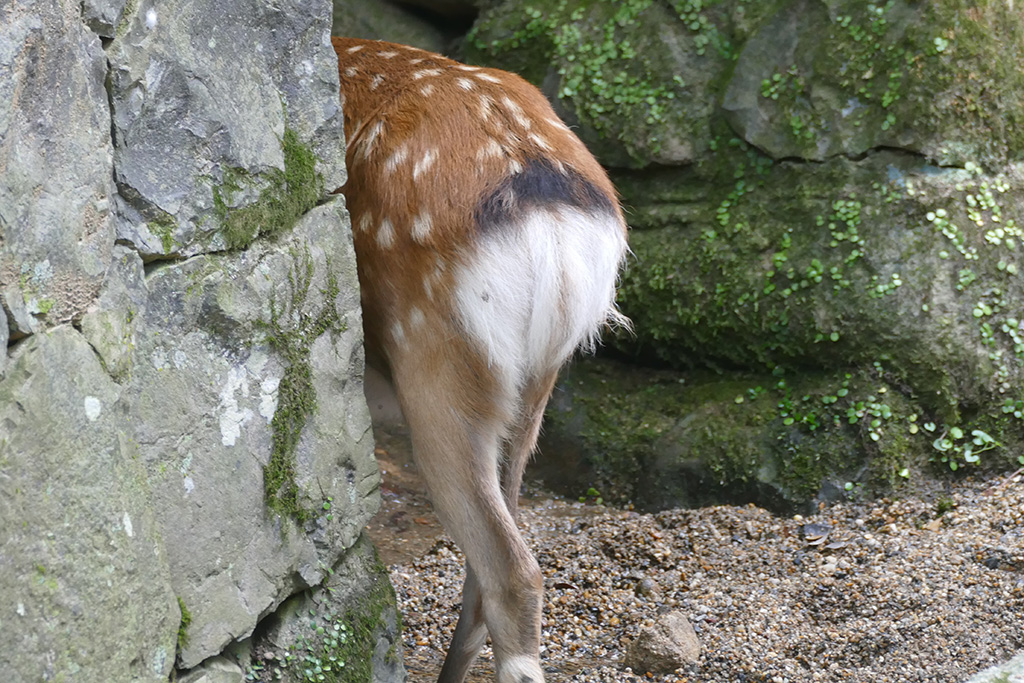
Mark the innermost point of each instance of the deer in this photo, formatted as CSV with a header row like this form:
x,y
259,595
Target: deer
x,y
488,243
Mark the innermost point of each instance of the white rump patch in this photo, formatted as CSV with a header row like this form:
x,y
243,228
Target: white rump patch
x,y
536,290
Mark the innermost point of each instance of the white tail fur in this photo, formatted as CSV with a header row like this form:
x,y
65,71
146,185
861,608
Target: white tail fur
x,y
488,242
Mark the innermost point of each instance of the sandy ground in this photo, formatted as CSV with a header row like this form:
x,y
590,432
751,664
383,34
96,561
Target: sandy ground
x,y
926,588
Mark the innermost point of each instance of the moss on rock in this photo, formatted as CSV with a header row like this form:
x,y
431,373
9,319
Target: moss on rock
x,y
290,332
287,195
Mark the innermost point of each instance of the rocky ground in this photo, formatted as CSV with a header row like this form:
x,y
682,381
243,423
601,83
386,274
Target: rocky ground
x,y
927,588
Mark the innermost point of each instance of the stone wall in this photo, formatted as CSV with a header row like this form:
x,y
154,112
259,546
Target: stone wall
x,y
184,444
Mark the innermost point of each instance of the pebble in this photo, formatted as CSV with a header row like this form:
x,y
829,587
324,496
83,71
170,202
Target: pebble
x,y
900,599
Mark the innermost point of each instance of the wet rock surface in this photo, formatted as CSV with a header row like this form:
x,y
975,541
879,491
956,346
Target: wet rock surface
x,y
887,590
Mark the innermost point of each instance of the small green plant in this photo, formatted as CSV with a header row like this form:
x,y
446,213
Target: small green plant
x,y
943,505
592,496
956,448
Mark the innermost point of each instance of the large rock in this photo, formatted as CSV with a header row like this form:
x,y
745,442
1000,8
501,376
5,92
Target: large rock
x,y
243,373
55,148
888,260
848,77
220,106
649,82
622,74
660,440
86,591
818,189
184,442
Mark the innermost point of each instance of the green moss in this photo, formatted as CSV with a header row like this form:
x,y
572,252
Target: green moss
x,y
289,194
186,621
660,441
290,332
128,14
610,78
163,226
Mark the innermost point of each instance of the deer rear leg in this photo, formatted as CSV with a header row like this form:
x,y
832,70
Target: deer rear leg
x,y
470,633
458,455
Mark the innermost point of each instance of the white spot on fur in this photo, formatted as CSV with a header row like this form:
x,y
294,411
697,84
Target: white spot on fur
x,y
557,123
351,72
427,90
537,290
371,138
375,83
465,83
365,222
396,159
416,317
428,287
421,227
517,112
385,234
514,168
416,61
388,54
540,142
355,48
398,333
467,67
488,77
423,73
486,103
490,150
423,164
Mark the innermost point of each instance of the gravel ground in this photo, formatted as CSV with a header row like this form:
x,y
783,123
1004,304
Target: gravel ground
x,y
912,589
